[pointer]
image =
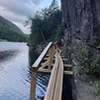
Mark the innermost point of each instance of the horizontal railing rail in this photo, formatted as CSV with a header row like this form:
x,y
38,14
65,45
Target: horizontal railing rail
x,y
40,58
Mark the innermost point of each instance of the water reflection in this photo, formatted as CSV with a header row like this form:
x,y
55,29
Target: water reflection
x,y
15,74
42,82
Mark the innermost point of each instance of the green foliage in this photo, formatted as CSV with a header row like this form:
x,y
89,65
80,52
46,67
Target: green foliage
x,y
46,26
88,64
98,87
11,32
13,36
83,59
94,67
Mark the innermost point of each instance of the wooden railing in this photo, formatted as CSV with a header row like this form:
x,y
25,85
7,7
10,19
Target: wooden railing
x,y
50,61
54,89
35,68
40,58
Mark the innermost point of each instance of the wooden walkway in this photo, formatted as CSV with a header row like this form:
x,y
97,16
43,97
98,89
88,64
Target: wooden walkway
x,y
51,61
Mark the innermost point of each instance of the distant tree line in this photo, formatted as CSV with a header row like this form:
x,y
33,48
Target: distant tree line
x,y
9,34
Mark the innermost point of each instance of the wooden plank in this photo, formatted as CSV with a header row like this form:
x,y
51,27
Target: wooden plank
x,y
49,71
51,85
43,65
54,90
44,70
40,58
33,86
46,58
67,65
59,81
69,72
51,53
64,59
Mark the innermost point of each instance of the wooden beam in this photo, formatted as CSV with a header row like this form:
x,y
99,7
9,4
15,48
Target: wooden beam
x,y
68,65
65,65
64,59
51,85
51,53
33,86
68,72
49,71
44,65
54,89
40,58
44,70
59,81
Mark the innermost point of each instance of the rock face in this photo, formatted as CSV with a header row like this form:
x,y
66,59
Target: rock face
x,y
82,21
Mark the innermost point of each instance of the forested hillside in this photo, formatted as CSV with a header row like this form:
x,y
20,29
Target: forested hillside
x,y
10,32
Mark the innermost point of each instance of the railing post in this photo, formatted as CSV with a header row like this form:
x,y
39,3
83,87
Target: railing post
x,y
33,85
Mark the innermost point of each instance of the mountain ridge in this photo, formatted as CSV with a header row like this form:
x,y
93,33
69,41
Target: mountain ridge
x,y
9,31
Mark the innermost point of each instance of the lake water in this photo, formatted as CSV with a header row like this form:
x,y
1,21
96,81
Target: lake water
x,y
15,74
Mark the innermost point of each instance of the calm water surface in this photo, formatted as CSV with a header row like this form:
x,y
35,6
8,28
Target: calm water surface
x,y
15,74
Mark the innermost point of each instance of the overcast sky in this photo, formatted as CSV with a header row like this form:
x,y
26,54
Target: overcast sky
x,y
17,11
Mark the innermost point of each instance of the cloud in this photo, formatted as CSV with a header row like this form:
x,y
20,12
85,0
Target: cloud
x,y
20,7
17,11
